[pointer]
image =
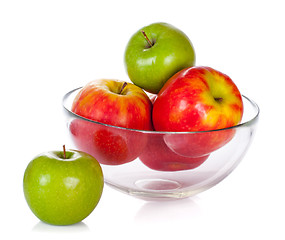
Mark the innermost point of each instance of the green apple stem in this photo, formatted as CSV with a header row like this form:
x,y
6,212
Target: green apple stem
x,y
64,152
146,37
123,86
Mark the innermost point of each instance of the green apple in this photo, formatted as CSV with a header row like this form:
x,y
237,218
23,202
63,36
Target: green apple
x,y
155,53
63,187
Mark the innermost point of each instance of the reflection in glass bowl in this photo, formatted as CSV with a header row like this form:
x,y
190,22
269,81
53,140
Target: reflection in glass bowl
x,y
152,164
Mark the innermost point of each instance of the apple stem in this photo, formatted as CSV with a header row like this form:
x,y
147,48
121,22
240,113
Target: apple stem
x,y
146,37
64,152
219,99
123,86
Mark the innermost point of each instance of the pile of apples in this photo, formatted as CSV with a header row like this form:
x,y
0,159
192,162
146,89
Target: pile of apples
x,y
168,93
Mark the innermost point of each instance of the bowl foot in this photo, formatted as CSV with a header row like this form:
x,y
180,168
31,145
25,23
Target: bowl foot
x,y
157,184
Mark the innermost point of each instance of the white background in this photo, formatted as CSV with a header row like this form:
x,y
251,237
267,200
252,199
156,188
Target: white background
x,y
50,47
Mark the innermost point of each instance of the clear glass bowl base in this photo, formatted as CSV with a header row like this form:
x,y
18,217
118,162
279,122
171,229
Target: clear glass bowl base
x,y
137,180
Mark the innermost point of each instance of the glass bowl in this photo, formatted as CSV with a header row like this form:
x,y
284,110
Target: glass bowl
x,y
158,165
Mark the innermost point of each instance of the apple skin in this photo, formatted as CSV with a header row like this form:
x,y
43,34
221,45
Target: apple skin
x,y
198,144
109,145
103,101
198,99
63,191
149,67
158,156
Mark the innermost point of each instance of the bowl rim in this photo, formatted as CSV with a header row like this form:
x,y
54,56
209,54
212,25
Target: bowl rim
x,y
242,124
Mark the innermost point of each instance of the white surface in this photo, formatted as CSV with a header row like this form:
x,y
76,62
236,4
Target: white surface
x,y
50,47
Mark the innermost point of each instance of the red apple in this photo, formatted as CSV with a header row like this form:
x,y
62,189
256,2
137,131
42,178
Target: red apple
x,y
115,103
198,144
158,156
109,145
198,99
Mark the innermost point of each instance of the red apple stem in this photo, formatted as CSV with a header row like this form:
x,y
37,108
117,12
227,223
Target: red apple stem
x,y
64,152
146,37
123,86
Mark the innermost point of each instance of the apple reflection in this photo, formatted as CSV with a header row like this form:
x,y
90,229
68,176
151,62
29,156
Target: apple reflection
x,y
198,144
158,156
109,145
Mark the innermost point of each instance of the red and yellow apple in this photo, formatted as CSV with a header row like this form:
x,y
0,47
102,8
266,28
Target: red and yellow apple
x,y
198,99
158,156
109,145
198,144
115,103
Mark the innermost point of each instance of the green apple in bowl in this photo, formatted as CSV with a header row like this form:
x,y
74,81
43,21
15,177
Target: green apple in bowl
x,y
155,53
63,187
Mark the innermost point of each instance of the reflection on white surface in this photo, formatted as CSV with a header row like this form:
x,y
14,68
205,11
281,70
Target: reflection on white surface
x,y
165,211
43,227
